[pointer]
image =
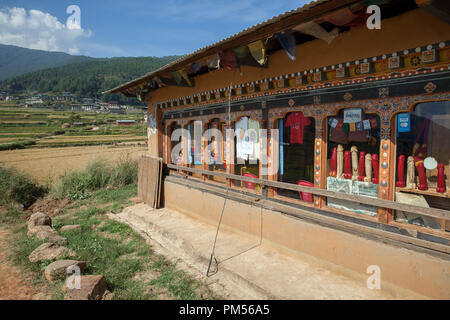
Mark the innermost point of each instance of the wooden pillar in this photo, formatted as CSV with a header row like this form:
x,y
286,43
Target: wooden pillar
x,y
273,155
184,145
387,170
230,150
262,150
155,131
204,146
167,143
320,162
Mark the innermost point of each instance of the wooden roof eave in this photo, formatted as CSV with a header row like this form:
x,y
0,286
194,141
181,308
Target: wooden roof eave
x,y
272,26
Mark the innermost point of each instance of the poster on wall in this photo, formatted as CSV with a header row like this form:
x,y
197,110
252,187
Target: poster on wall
x,y
352,115
404,122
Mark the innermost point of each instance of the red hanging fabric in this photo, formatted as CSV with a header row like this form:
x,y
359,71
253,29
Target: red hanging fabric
x,y
228,60
297,122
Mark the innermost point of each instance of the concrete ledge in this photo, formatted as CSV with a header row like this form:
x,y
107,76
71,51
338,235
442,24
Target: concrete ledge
x,y
422,273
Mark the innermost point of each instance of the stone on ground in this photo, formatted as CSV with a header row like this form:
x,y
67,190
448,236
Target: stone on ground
x,y
49,251
58,269
39,219
46,233
91,288
71,228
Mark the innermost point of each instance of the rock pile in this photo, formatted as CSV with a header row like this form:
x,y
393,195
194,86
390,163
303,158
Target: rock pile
x,y
92,287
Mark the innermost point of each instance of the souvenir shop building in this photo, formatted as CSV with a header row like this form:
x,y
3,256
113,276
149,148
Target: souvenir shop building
x,y
363,119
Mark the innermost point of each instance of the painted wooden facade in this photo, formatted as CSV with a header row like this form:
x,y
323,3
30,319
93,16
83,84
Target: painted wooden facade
x,y
384,73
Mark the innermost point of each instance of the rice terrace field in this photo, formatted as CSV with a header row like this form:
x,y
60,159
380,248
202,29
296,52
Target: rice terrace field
x,y
46,143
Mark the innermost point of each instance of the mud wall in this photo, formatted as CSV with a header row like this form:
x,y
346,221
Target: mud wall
x,y
419,272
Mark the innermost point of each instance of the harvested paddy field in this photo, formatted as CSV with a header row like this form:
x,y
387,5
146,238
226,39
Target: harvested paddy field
x,y
68,140
47,164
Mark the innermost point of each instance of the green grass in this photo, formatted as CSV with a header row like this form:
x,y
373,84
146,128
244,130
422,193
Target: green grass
x,y
79,185
19,188
119,253
17,145
133,271
49,126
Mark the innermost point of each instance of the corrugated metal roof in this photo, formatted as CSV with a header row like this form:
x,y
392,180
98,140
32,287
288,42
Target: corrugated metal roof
x,y
202,51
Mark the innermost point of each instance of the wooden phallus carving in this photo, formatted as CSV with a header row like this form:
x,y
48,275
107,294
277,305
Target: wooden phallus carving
x,y
422,185
368,165
354,151
333,163
347,165
362,166
376,168
411,174
401,183
441,178
340,162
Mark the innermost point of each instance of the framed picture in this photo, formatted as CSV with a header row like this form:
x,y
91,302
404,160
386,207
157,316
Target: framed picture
x,y
429,56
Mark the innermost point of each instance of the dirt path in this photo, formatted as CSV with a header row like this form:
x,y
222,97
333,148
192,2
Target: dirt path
x,y
13,284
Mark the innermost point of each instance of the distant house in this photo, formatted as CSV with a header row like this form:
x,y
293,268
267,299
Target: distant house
x,y
126,122
90,107
34,102
76,107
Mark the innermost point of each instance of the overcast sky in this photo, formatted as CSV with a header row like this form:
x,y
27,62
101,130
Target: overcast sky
x,y
111,28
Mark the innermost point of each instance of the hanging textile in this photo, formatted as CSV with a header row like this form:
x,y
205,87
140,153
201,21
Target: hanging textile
x,y
158,81
281,155
316,30
213,62
258,51
189,144
177,76
287,41
297,122
346,18
228,60
185,76
253,136
338,134
240,131
195,67
244,57
341,17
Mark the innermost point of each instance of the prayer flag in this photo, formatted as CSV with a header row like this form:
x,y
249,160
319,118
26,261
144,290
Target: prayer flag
x,y
287,41
258,51
316,30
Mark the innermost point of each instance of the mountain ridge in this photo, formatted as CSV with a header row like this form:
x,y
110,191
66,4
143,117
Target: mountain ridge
x,y
88,77
15,61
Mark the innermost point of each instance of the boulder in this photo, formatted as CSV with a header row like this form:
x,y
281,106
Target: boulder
x,y
49,251
46,233
39,219
91,288
71,228
58,269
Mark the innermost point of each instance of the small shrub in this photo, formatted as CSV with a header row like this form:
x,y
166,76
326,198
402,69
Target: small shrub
x,y
97,175
19,188
17,145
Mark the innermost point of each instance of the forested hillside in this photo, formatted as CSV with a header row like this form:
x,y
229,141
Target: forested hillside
x,y
15,61
89,78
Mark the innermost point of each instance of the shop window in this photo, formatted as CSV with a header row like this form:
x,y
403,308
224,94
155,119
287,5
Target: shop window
x,y
353,158
247,150
423,161
176,157
297,134
194,143
215,139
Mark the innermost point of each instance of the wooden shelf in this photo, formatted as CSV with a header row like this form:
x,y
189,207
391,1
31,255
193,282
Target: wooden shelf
x,y
425,192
